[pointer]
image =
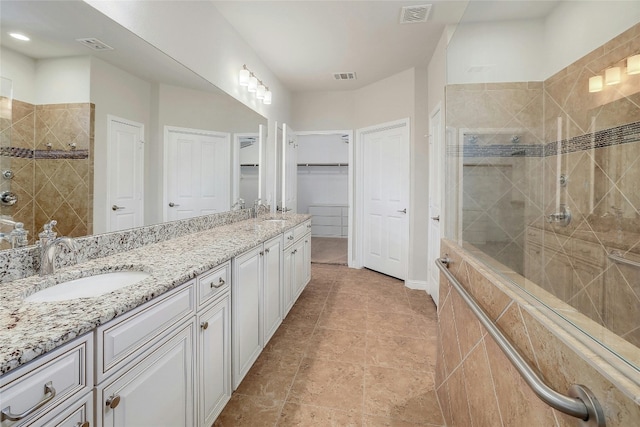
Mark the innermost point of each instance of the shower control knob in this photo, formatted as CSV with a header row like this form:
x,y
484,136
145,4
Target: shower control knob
x,y
8,174
8,198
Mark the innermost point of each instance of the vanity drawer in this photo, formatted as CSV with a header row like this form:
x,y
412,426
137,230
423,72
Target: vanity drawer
x,y
48,381
301,230
213,283
119,341
288,238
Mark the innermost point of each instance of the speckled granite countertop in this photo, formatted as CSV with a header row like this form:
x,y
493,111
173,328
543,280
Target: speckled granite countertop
x,y
29,330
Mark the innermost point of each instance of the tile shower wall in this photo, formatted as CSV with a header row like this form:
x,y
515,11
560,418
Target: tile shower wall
x,y
52,178
477,385
593,140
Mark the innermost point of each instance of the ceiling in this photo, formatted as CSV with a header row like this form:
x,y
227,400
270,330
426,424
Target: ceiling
x,y
304,42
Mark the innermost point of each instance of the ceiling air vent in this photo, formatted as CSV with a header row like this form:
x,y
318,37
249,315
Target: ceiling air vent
x,y
345,76
95,44
413,14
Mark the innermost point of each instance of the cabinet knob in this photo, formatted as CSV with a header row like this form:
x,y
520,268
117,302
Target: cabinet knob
x,y
221,282
204,325
113,401
261,253
266,251
290,238
83,424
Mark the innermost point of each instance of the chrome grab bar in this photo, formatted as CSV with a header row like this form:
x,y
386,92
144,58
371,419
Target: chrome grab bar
x,y
618,258
581,402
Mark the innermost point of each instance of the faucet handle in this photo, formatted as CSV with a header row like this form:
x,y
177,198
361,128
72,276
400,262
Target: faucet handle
x,y
48,234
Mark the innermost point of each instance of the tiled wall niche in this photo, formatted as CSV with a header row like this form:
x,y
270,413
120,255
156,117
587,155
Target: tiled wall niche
x,y
475,382
52,178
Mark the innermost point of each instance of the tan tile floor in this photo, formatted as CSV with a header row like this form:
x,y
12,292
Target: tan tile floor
x,y
357,349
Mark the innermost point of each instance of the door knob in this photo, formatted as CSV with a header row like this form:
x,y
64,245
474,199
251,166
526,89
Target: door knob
x,y
403,211
116,207
171,204
436,218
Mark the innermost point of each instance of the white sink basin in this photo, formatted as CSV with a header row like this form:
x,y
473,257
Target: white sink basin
x,y
88,287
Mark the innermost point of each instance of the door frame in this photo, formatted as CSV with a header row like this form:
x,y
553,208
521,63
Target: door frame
x,y
350,191
113,118
356,229
236,168
165,160
433,288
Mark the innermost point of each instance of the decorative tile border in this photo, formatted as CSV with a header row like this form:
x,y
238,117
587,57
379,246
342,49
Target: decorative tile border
x,y
26,153
618,135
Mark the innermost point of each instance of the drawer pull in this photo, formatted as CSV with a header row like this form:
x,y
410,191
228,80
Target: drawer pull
x,y
290,238
204,325
220,283
113,401
83,424
49,393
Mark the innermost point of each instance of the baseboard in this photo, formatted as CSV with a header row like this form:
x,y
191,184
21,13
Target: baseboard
x,y
416,284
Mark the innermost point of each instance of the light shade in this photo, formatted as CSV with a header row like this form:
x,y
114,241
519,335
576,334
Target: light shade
x,y
595,84
267,97
243,79
260,91
253,84
633,64
612,76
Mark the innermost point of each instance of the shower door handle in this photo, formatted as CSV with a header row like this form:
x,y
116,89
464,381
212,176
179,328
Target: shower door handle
x,y
404,211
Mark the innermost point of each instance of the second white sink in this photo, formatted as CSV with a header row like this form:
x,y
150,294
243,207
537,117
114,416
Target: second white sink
x,y
88,287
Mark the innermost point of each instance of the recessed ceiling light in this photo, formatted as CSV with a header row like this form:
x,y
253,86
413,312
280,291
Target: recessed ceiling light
x,y
20,37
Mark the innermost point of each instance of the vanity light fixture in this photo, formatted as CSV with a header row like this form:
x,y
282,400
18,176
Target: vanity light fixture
x,y
20,36
243,79
267,97
633,64
612,76
260,91
595,84
254,85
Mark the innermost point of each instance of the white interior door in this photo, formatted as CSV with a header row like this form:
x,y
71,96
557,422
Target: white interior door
x,y
289,169
125,160
436,162
197,172
385,183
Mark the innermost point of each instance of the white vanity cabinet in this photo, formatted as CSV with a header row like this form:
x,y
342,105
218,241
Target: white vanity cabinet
x,y
37,393
297,263
214,344
257,299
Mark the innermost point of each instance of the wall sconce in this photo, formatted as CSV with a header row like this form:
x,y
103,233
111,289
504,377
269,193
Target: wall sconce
x,y
254,85
595,84
612,76
633,64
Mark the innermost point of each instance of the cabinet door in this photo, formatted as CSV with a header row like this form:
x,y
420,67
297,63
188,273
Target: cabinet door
x,y
307,259
157,391
299,268
214,361
246,290
272,294
288,267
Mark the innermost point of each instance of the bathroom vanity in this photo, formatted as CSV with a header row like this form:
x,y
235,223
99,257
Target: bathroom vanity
x,y
167,350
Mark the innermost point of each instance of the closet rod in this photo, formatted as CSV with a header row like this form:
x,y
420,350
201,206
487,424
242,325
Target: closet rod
x,y
323,164
581,403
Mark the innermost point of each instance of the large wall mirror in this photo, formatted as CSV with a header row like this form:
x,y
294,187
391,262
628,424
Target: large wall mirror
x,y
102,131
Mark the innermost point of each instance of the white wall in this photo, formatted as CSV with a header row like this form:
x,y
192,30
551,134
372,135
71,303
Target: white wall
x,y
116,92
21,70
323,110
575,28
63,80
507,51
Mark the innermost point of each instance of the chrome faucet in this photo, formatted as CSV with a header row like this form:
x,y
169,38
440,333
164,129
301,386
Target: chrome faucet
x,y
17,238
259,208
49,245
